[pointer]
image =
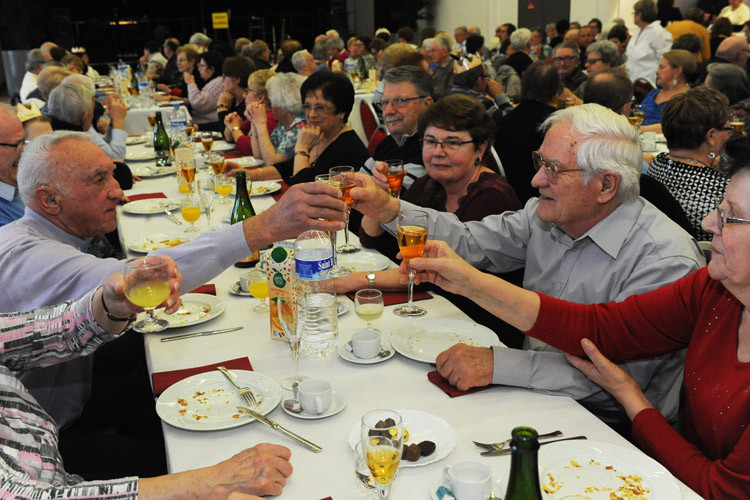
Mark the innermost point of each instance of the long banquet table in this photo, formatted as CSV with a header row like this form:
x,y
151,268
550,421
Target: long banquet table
x,y
398,383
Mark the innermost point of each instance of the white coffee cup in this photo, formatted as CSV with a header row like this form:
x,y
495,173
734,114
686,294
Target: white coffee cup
x,y
245,281
315,396
366,344
469,480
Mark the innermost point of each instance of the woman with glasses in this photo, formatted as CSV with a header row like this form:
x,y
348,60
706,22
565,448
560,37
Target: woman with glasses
x,y
203,99
675,68
706,313
240,126
187,62
696,125
327,141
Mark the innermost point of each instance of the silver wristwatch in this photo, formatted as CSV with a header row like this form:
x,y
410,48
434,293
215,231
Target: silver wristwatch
x,y
371,279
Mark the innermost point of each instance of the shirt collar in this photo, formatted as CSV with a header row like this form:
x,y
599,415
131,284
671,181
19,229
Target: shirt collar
x,y
7,192
404,138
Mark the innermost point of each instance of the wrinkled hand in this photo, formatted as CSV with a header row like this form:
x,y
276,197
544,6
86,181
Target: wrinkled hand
x,y
311,205
225,98
188,77
232,120
256,113
102,125
113,292
231,168
117,110
494,88
378,175
442,266
308,137
466,366
370,199
260,470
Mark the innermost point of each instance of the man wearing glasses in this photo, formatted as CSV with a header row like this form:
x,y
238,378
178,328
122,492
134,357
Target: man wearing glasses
x,y
12,140
566,60
406,93
588,238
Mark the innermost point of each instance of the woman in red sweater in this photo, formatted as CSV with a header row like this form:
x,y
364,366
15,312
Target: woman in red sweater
x,y
705,312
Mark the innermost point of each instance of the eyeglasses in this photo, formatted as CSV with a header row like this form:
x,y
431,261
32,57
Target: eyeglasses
x,y
17,146
319,108
551,168
564,59
723,219
448,144
593,60
399,102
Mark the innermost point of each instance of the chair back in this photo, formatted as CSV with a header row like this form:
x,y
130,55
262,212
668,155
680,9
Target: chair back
x,y
494,163
376,138
641,88
370,121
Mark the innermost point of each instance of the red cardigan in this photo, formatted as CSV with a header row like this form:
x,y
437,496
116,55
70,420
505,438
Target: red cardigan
x,y
712,455
244,145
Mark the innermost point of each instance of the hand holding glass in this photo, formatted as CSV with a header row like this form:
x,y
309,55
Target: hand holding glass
x,y
345,175
394,174
335,271
147,286
412,236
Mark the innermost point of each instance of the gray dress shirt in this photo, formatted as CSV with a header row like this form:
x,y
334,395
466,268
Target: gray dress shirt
x,y
634,249
42,265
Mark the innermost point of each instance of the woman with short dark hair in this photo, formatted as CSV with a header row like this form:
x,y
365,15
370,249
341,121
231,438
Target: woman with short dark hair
x,y
203,100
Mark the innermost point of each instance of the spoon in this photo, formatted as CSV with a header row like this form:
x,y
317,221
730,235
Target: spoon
x,y
293,404
384,353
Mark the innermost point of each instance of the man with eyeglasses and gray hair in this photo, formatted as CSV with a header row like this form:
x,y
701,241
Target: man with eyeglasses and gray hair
x,y
589,237
407,91
566,59
12,139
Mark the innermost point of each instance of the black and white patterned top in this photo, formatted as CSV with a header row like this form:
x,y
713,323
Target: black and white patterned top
x,y
694,188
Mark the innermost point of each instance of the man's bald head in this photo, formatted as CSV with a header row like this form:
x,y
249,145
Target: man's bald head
x,y
734,49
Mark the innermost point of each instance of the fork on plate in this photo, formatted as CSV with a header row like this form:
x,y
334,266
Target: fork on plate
x,y
503,444
245,392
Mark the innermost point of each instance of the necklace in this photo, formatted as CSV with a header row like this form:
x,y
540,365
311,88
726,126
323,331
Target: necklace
x,y
685,158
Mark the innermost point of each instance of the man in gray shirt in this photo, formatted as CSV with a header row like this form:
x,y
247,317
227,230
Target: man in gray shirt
x,y
588,238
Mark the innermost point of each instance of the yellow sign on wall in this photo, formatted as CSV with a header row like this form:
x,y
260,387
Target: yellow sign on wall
x,y
220,20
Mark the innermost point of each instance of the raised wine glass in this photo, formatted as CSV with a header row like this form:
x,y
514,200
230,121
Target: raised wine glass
x,y
206,193
345,175
287,309
147,286
335,271
412,236
382,447
394,174
368,304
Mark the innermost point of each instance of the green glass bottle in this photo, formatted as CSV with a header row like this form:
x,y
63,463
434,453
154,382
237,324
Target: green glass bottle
x,y
161,142
242,210
523,482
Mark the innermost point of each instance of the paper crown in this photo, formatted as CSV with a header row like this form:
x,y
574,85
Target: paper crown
x,y
78,50
25,114
466,63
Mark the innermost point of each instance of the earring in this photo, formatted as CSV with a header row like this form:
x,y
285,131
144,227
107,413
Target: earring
x,y
674,82
711,155
476,162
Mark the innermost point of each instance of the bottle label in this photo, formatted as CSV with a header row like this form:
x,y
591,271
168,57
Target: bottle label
x,y
176,125
313,270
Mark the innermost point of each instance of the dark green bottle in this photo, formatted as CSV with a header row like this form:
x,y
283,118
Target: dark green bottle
x,y
523,482
242,210
161,142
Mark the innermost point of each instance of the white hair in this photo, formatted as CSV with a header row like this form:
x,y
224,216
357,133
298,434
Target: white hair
x,y
332,33
284,91
298,59
605,142
441,41
81,79
34,57
519,39
38,168
68,101
199,38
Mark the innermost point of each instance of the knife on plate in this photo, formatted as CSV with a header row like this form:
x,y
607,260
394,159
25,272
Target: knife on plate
x,y
508,451
273,425
200,334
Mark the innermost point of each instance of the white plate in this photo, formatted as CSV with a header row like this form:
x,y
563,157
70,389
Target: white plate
x,y
146,171
364,260
497,488
149,206
422,426
425,339
196,308
222,146
140,155
348,355
592,478
157,242
247,161
135,139
208,401
259,188
338,403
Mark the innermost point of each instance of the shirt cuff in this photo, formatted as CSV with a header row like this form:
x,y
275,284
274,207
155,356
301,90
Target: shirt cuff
x,y
511,367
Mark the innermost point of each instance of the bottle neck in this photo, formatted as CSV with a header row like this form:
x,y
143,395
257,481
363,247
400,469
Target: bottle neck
x,y
523,482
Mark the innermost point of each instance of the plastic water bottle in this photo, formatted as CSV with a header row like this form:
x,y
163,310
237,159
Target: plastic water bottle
x,y
313,257
178,124
145,90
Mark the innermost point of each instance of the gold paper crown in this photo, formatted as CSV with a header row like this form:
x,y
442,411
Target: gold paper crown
x,y
466,64
25,114
78,50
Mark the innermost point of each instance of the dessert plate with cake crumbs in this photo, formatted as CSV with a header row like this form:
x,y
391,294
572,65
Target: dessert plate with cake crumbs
x,y
423,340
208,401
603,471
196,308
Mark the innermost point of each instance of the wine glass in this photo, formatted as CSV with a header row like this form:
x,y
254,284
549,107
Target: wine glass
x,y
224,186
217,163
368,304
207,139
394,174
361,470
182,184
335,271
287,309
191,211
257,285
147,286
411,233
187,169
345,175
381,446
636,115
206,193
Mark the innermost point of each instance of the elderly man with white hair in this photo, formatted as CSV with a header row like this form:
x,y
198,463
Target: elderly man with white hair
x,y
441,64
588,238
201,41
304,63
34,64
519,49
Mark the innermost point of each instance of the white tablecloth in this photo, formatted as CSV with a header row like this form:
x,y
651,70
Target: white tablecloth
x,y
398,383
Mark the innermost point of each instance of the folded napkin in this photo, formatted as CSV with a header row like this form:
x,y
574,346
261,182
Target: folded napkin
x,y
450,390
208,288
391,298
145,196
162,380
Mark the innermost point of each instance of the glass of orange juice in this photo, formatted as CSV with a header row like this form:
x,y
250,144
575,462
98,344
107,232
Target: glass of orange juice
x,y
224,188
257,285
191,211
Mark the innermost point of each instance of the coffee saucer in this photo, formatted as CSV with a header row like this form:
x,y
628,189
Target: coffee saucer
x,y
345,352
235,289
338,403
497,489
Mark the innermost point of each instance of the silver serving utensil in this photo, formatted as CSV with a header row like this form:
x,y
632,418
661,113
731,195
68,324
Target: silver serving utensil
x,y
508,451
245,392
270,423
294,404
172,216
503,444
200,334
